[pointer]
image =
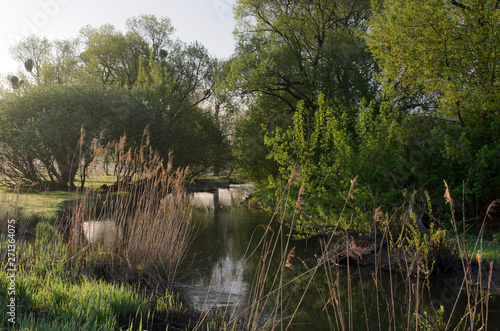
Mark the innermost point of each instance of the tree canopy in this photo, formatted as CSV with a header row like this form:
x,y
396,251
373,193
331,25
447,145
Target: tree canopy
x,y
49,132
149,80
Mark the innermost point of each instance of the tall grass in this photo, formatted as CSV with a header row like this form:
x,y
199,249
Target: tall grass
x,y
148,219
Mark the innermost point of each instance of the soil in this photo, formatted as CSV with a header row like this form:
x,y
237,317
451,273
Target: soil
x,y
364,252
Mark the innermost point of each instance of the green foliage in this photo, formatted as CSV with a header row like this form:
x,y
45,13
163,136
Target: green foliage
x,y
113,56
292,51
329,147
446,51
177,124
447,47
249,149
319,146
39,148
155,31
431,252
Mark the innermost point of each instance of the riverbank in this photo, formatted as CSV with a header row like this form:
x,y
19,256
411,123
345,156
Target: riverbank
x,y
164,308
432,252
362,252
65,281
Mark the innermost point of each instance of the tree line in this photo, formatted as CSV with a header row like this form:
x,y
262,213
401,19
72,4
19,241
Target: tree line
x,y
76,96
400,95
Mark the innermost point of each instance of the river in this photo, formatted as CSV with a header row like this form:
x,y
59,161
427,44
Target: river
x,y
219,270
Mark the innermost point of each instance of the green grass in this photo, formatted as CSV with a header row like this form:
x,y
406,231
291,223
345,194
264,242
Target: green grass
x,y
33,202
49,297
46,202
490,249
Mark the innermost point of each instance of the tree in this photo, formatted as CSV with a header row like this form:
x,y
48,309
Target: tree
x,y
33,52
63,66
290,52
48,132
111,55
172,93
191,69
294,50
448,50
155,31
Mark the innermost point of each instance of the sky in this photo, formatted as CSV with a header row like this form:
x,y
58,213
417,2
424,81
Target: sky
x,y
208,21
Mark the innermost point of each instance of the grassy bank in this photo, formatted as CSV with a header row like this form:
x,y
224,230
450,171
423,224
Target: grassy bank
x,y
68,278
50,296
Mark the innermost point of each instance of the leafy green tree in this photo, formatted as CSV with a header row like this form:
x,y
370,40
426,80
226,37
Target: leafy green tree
x,y
48,132
319,146
290,52
250,151
155,31
448,50
177,124
111,55
33,52
62,67
294,50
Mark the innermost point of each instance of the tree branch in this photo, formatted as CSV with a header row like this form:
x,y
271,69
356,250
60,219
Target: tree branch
x,y
461,5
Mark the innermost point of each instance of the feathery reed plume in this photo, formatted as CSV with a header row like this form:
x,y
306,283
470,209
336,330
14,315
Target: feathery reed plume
x,y
295,174
492,205
351,189
380,219
300,200
82,136
121,144
146,134
290,256
447,196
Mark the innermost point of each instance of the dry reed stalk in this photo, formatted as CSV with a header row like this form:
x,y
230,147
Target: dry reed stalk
x,y
150,209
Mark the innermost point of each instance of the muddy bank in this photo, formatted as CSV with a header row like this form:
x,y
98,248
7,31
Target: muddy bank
x,y
363,251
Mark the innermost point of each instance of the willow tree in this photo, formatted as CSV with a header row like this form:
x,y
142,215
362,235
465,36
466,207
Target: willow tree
x,y
112,55
294,50
174,90
47,132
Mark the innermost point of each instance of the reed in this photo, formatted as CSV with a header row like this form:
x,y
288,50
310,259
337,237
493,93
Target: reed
x,y
147,215
401,271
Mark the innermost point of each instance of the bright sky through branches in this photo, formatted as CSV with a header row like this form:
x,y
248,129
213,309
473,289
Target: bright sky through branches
x,y
208,21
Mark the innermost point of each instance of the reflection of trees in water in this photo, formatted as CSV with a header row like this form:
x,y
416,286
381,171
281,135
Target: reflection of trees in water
x,y
356,294
224,237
